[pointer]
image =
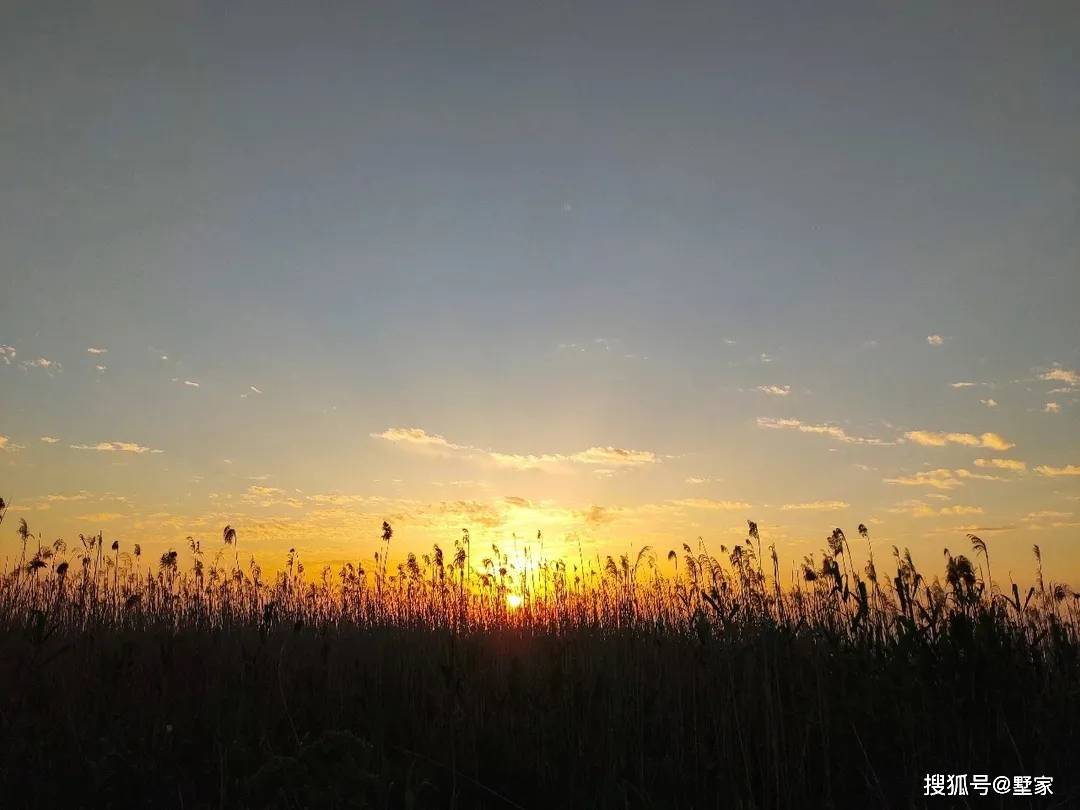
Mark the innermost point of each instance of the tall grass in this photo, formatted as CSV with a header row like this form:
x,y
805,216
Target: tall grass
x,y
688,680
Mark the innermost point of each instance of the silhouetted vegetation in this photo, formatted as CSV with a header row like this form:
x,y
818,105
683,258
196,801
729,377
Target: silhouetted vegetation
x,y
693,680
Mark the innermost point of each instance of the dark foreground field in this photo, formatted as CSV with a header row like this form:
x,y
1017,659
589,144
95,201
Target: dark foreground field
x,y
705,689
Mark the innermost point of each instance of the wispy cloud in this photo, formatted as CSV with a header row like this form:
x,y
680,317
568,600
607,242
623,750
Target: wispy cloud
x,y
1057,472
42,363
417,436
602,456
49,439
921,509
101,367
832,431
191,383
1012,464
935,340
962,385
7,355
774,390
116,447
815,506
613,347
989,403
101,517
615,456
940,479
1046,513
1059,374
96,350
45,502
709,503
271,496
931,438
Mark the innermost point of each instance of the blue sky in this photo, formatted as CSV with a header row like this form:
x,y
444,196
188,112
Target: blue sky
x,y
536,231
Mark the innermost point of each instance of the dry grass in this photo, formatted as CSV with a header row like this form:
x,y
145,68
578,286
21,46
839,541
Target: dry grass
x,y
690,681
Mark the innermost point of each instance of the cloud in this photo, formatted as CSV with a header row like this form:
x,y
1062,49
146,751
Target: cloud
x,y
1015,465
832,431
1047,513
815,506
935,340
49,439
254,389
271,496
961,510
930,438
7,355
191,383
1051,407
596,515
614,455
709,503
1055,472
7,445
962,385
101,517
515,500
95,350
941,478
46,502
920,509
989,403
774,390
1065,375
42,362
938,479
597,456
417,436
111,447
100,367
600,345
695,480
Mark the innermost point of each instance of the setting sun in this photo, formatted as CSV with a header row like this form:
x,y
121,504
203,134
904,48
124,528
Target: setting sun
x,y
515,404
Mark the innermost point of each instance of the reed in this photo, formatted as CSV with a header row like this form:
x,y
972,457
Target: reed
x,y
689,679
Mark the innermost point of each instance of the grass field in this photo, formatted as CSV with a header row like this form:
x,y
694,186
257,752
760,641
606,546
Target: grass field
x,y
466,679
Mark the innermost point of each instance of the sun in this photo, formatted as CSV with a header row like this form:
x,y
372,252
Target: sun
x,y
513,601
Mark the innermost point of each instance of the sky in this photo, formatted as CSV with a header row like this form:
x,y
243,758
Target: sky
x,y
622,273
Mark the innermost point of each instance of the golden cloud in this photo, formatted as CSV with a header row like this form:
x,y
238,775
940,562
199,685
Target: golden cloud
x,y
930,438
